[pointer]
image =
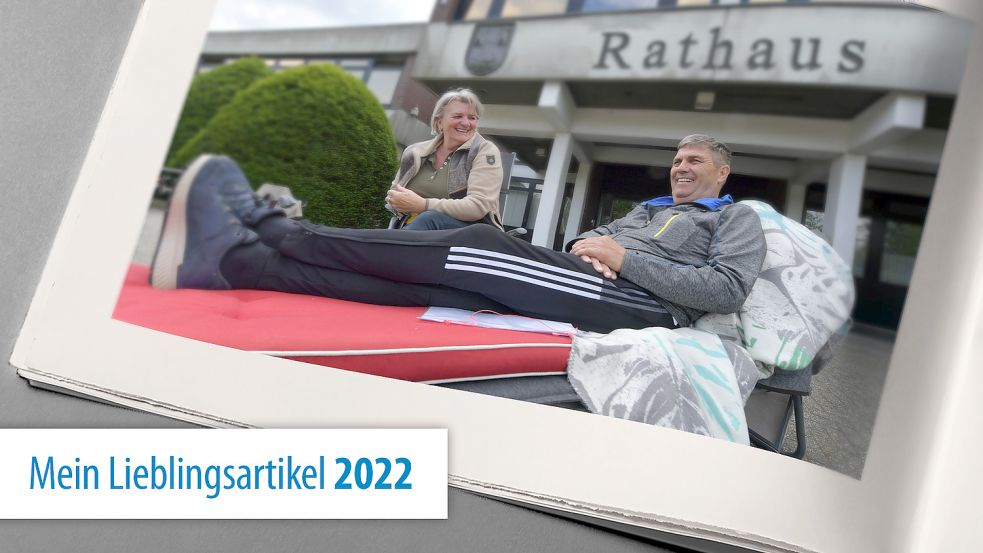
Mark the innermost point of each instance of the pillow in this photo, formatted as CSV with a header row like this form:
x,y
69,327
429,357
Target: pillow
x,y
803,296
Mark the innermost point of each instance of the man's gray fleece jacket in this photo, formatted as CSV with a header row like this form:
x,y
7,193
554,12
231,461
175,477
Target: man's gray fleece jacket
x,y
693,259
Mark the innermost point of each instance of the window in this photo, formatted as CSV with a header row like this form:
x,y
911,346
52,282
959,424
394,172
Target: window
x,y
618,5
382,82
285,63
478,10
528,8
355,63
521,203
612,207
861,246
900,247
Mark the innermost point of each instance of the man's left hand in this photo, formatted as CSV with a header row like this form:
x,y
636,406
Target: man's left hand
x,y
600,267
405,200
601,248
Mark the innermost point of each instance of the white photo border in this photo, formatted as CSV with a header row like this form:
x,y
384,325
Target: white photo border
x,y
688,484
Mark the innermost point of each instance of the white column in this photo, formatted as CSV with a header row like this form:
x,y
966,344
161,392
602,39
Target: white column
x,y
553,184
577,203
843,194
795,200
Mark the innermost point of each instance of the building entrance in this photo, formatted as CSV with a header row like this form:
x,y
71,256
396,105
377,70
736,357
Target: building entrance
x,y
888,235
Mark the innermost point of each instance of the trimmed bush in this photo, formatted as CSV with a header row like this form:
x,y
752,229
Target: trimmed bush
x,y
319,131
210,91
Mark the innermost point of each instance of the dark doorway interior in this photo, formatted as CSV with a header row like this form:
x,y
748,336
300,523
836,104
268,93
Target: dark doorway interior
x,y
888,235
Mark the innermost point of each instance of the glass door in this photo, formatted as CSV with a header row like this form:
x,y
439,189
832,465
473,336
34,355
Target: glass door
x,y
888,234
883,272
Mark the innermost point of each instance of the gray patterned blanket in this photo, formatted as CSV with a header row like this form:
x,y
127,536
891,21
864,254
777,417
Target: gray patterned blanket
x,y
697,379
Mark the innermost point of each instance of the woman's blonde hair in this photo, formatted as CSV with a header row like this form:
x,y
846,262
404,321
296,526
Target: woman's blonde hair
x,y
463,95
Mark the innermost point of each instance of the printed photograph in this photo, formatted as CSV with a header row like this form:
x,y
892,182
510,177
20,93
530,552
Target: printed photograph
x,y
700,215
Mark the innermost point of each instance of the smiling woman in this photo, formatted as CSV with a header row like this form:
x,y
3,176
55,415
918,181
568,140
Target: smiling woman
x,y
453,180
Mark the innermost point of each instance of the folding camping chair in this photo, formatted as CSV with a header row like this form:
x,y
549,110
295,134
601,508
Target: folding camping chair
x,y
777,400
769,410
773,404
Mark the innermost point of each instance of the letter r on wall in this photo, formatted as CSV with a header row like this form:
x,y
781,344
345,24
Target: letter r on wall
x,y
614,43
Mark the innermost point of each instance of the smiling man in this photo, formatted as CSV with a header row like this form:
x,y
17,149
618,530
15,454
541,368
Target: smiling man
x,y
696,251
666,263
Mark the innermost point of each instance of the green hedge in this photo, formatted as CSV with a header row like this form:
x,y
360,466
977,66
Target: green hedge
x,y
210,91
319,131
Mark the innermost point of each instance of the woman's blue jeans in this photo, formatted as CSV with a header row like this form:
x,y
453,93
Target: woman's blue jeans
x,y
435,220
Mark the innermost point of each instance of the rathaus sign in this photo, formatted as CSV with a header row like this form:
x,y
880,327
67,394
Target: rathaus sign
x,y
711,50
852,46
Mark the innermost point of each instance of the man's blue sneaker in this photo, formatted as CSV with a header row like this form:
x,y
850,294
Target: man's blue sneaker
x,y
199,229
231,184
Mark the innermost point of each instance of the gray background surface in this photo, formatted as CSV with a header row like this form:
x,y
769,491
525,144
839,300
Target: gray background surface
x,y
58,63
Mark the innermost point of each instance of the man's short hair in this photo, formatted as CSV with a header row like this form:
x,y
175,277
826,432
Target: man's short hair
x,y
464,95
721,152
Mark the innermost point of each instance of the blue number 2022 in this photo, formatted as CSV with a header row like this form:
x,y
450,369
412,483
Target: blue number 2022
x,y
363,474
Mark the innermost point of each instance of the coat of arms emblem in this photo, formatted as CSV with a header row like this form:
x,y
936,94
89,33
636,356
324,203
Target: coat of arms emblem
x,y
489,47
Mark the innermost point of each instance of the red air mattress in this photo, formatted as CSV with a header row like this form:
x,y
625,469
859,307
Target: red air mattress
x,y
374,339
